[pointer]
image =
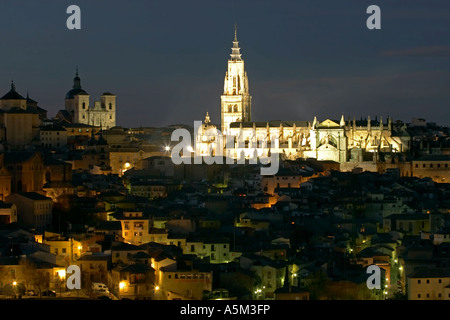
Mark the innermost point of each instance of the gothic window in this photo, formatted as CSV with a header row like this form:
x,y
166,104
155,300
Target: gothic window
x,y
84,105
229,108
110,106
235,108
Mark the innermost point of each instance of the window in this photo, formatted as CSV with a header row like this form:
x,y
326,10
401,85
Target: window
x,y
428,281
418,296
418,281
440,280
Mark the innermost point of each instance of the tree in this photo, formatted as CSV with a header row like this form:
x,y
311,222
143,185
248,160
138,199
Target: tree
x,y
315,284
40,280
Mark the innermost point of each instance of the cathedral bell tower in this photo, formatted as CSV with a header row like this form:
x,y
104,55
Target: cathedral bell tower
x,y
235,101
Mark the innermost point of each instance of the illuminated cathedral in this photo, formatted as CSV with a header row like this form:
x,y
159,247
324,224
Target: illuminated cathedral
x,y
340,140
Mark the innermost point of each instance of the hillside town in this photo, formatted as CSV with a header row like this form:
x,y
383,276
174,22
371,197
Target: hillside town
x,y
77,189
112,202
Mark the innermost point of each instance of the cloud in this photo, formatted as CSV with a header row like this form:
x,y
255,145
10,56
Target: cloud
x,y
431,51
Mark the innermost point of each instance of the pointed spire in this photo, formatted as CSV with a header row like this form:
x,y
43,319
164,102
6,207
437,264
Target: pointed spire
x,y
76,80
13,87
342,123
235,50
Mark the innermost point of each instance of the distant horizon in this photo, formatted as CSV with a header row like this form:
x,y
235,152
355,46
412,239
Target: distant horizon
x,y
303,59
359,117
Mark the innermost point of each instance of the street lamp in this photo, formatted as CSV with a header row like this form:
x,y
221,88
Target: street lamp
x,y
15,288
122,286
62,275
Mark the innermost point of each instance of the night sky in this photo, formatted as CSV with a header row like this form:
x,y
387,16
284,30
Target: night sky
x,y
166,59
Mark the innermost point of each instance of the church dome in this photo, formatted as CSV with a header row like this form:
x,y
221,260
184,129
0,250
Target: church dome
x,y
76,89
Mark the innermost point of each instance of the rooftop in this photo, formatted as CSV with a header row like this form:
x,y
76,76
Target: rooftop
x,y
431,273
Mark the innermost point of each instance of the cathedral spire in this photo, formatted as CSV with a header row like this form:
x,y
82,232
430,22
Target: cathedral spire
x,y
235,50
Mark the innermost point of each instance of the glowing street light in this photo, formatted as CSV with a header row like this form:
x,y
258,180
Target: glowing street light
x,y
62,275
15,288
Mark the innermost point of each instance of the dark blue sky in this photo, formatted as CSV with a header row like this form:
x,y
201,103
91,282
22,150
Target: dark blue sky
x,y
166,59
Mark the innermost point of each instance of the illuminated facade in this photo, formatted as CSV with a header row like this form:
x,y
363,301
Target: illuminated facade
x,y
236,100
78,108
337,140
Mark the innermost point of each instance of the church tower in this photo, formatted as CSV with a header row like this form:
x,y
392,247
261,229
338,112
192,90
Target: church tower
x,y
77,102
235,101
